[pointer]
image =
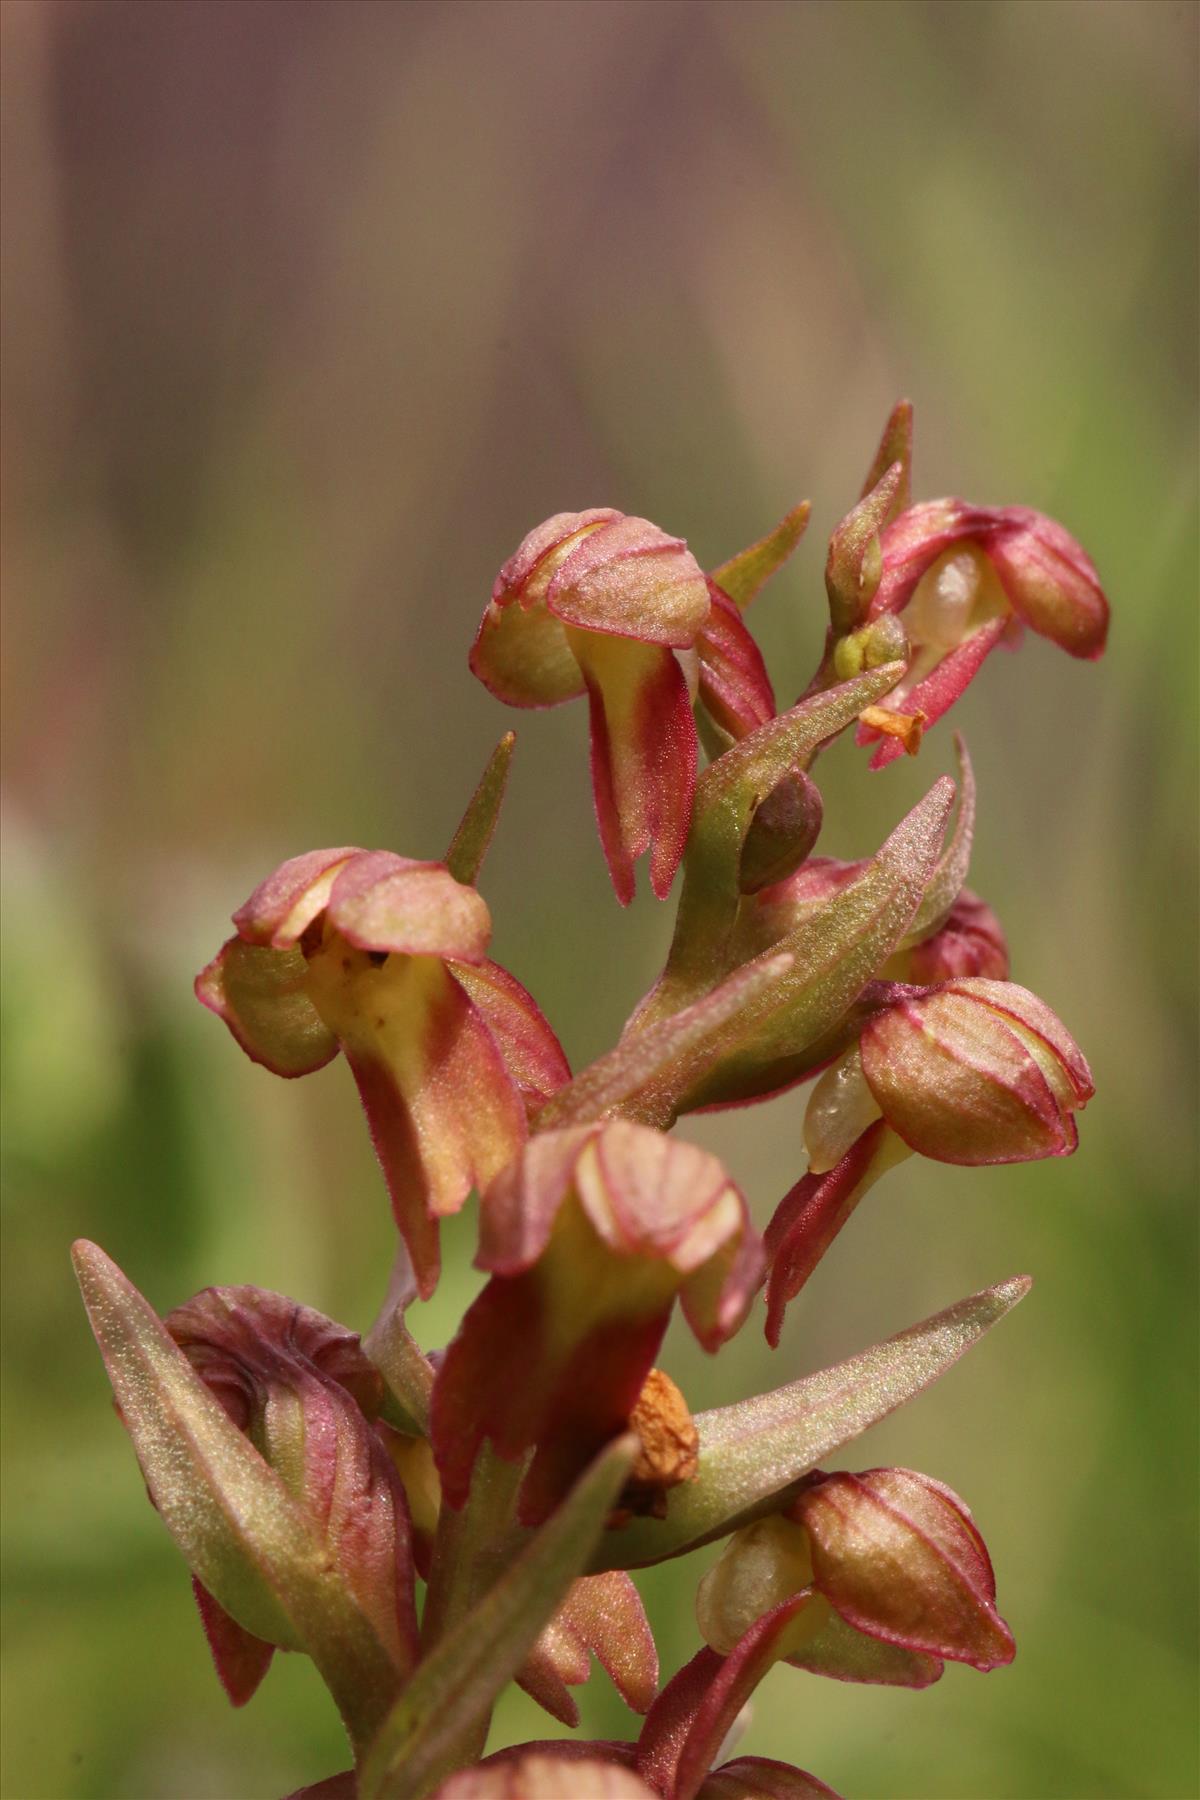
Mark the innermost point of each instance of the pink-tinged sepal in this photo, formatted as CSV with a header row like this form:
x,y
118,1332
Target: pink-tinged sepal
x,y
1051,581
589,1236
643,756
551,1771
735,688
761,1778
899,1557
530,1051
282,907
240,1659
603,1616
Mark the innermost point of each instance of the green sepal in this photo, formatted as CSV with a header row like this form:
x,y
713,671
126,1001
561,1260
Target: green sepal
x,y
745,574
464,858
753,1453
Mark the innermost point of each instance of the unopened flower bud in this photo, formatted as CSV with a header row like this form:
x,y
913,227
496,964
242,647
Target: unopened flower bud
x,y
882,640
976,1071
896,1575
899,1557
969,941
783,831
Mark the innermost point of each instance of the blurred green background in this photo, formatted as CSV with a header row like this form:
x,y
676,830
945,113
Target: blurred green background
x,y
311,310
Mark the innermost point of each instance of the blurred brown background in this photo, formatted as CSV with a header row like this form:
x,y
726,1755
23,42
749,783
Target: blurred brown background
x,y
311,310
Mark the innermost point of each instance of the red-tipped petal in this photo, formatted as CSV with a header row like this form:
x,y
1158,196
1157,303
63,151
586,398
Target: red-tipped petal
x,y
809,1217
1051,581
282,907
734,685
384,902
531,1052
692,1716
941,687
643,755
240,1659
260,993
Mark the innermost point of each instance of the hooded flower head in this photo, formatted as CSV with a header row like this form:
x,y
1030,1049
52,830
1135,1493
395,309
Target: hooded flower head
x,y
385,959
588,1236
895,1577
303,1392
961,579
599,603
